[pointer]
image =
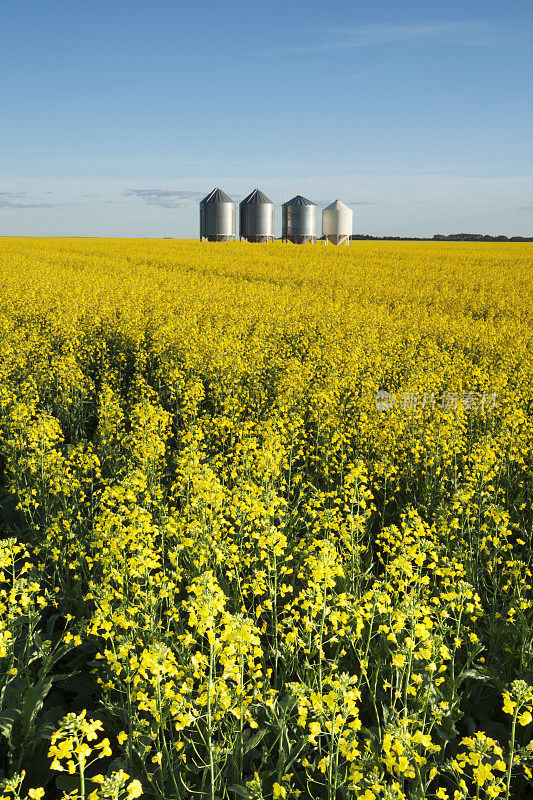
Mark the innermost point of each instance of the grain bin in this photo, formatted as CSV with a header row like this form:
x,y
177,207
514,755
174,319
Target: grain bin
x,y
337,223
256,217
217,217
298,220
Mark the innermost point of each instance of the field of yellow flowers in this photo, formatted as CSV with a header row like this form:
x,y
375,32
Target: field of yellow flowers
x,y
266,520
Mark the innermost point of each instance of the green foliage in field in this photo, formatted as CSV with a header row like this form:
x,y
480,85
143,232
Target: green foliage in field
x,y
232,569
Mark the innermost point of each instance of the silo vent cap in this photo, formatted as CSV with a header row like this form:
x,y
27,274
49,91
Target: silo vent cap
x,y
256,196
217,196
337,205
299,201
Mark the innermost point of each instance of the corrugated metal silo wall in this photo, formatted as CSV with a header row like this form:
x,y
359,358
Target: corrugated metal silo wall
x,y
219,221
256,221
299,222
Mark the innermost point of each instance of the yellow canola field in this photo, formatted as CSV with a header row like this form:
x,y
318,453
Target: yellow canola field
x,y
267,520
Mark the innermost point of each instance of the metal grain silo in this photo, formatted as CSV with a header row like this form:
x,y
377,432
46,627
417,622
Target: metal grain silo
x,y
337,223
217,217
256,217
298,220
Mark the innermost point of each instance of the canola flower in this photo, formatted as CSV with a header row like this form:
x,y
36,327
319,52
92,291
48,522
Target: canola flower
x,y
279,587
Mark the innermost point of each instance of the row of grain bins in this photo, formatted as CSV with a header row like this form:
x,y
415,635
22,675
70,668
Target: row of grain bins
x,y
256,219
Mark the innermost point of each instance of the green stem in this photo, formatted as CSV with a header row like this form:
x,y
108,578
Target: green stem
x,y
241,720
332,785
320,638
209,723
511,753
275,617
82,781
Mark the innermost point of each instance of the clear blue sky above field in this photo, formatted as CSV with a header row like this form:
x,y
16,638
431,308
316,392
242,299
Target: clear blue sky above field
x,y
118,116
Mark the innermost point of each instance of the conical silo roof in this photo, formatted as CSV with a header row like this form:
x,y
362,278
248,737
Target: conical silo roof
x,y
217,196
256,196
299,201
337,222
337,205
217,217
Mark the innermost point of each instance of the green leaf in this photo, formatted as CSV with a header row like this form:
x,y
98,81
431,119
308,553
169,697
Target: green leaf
x,y
255,739
56,655
49,721
67,783
473,674
447,731
240,790
118,763
50,624
32,703
64,676
7,719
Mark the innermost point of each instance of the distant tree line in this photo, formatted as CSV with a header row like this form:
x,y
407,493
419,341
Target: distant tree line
x,y
451,237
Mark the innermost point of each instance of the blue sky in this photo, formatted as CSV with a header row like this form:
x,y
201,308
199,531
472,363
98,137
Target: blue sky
x,y
117,116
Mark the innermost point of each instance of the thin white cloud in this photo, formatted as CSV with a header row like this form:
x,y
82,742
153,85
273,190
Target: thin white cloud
x,y
17,200
403,204
365,73
384,33
166,198
351,203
